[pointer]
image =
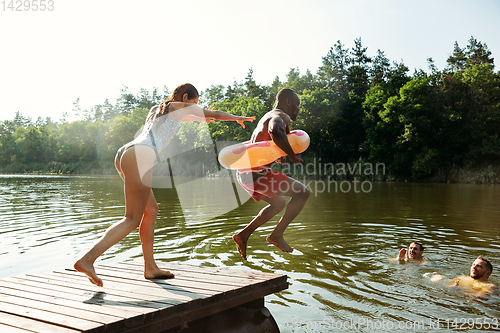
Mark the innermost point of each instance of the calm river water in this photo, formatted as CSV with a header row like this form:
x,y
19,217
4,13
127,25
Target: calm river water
x,y
340,273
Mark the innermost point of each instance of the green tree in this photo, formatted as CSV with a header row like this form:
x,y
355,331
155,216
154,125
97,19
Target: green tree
x,y
108,111
273,90
75,144
381,69
9,151
456,61
298,82
382,123
126,102
147,100
120,130
33,148
477,53
319,116
21,121
212,95
242,106
472,99
333,72
77,109
357,77
49,142
252,88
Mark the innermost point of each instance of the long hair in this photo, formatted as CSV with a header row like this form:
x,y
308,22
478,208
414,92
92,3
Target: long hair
x,y
186,88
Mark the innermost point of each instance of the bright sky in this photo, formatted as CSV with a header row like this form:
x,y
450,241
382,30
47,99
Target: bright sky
x,y
90,49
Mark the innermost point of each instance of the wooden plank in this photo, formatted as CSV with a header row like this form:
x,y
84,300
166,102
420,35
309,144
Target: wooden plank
x,y
112,286
164,307
131,317
207,275
31,325
12,329
174,284
219,271
188,276
198,313
152,310
145,288
156,310
89,296
226,271
238,285
49,317
128,302
203,287
246,278
191,297
70,308
250,281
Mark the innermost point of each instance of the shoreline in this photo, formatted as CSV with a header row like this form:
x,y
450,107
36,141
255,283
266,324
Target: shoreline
x,y
487,175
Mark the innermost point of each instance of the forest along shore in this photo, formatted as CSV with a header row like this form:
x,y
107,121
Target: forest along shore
x,y
436,125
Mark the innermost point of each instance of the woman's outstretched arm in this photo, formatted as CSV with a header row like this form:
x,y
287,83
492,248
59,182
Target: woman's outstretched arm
x,y
192,112
211,114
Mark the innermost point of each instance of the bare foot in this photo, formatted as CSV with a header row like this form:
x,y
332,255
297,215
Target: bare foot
x,y
241,245
88,269
156,273
280,244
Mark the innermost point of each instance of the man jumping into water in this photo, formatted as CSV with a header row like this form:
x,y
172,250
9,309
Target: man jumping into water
x,y
263,183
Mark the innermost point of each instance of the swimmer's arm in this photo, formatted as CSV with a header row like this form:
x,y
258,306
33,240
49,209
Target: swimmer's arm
x,y
277,131
402,255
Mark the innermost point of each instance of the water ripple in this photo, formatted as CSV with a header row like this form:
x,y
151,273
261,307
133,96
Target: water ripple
x,y
342,267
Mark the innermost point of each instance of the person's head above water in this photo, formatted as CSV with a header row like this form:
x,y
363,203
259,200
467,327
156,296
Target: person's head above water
x,y
481,269
415,251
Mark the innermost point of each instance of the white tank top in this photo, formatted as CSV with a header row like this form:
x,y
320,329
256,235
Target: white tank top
x,y
156,134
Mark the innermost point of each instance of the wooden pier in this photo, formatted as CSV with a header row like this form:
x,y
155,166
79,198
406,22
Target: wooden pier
x,y
66,302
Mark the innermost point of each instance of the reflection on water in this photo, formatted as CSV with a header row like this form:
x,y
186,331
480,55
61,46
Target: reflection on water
x,y
340,271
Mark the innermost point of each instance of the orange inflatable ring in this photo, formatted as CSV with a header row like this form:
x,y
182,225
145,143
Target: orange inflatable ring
x,y
247,155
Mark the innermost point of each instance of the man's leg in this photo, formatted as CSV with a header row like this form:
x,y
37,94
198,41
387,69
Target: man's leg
x,y
299,194
275,206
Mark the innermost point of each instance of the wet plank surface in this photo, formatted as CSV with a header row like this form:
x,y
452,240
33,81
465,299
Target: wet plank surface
x,y
65,301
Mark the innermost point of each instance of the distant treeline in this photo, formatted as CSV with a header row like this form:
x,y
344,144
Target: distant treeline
x,y
434,125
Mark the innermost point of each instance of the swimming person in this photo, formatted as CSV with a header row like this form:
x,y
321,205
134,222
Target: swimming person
x,y
263,183
478,278
414,253
480,272
134,163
